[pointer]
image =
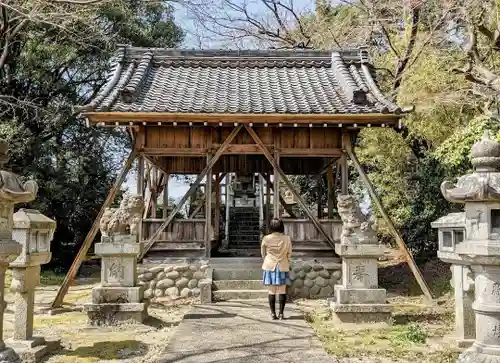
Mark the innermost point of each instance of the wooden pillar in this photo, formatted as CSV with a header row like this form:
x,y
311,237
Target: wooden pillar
x,y
165,196
344,175
319,190
208,208
261,205
140,192
331,191
276,180
140,176
154,191
217,206
227,203
268,202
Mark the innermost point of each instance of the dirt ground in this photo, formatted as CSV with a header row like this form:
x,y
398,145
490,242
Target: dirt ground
x,y
419,333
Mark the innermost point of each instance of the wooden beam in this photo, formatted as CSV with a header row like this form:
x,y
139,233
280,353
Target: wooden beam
x,y
253,149
171,151
282,175
242,149
399,240
73,270
331,191
242,118
208,209
191,190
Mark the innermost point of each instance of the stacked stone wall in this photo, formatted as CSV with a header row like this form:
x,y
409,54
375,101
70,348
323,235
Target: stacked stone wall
x,y
312,281
172,281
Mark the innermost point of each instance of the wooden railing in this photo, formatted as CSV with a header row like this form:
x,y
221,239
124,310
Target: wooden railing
x,y
303,230
179,230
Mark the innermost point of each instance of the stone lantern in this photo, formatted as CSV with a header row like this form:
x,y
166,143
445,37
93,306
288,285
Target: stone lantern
x,y
12,191
34,232
480,192
451,232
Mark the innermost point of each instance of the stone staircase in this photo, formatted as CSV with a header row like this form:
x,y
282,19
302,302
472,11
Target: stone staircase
x,y
244,231
237,279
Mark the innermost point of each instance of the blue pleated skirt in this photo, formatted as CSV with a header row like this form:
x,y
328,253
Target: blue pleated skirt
x,y
275,277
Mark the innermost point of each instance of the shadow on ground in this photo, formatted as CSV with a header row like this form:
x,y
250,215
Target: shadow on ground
x,y
398,278
106,350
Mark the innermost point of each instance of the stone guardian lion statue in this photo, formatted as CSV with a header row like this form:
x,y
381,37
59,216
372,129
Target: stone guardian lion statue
x,y
125,219
356,227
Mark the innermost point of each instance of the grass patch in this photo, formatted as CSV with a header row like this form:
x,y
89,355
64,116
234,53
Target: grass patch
x,y
411,337
51,278
41,321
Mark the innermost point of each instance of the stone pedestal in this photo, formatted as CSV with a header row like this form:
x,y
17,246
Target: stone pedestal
x,y
463,286
358,299
118,299
486,347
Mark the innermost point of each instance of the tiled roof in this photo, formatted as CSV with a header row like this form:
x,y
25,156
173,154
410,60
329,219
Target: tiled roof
x,y
256,82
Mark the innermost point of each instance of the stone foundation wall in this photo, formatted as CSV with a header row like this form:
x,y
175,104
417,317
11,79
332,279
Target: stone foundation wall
x,y
314,280
172,280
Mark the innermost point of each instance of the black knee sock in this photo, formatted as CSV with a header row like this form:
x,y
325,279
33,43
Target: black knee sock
x,y
282,301
272,303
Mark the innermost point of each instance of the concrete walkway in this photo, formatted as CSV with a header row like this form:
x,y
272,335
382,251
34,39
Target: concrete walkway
x,y
242,332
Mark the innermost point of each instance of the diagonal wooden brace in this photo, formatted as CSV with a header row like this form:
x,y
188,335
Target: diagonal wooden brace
x,y
399,240
77,262
289,184
191,190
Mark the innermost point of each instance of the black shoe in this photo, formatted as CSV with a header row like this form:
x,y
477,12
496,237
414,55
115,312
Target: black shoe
x,y
282,301
272,306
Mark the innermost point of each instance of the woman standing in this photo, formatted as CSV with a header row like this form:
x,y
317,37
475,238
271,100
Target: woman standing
x,y
276,249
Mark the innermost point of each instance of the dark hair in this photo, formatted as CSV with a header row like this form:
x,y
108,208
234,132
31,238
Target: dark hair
x,y
276,225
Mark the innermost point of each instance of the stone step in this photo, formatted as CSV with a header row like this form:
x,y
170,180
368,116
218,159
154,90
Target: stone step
x,y
237,285
244,239
168,246
225,295
238,273
244,245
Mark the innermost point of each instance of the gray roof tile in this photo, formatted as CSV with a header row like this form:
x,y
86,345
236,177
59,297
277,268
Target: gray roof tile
x,y
217,81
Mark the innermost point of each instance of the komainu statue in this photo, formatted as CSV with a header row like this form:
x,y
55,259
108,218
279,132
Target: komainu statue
x,y
125,219
356,227
12,189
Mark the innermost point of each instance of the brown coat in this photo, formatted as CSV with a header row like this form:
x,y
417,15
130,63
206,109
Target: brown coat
x,y
276,249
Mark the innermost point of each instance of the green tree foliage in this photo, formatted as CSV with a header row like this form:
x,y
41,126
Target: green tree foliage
x,y
56,55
